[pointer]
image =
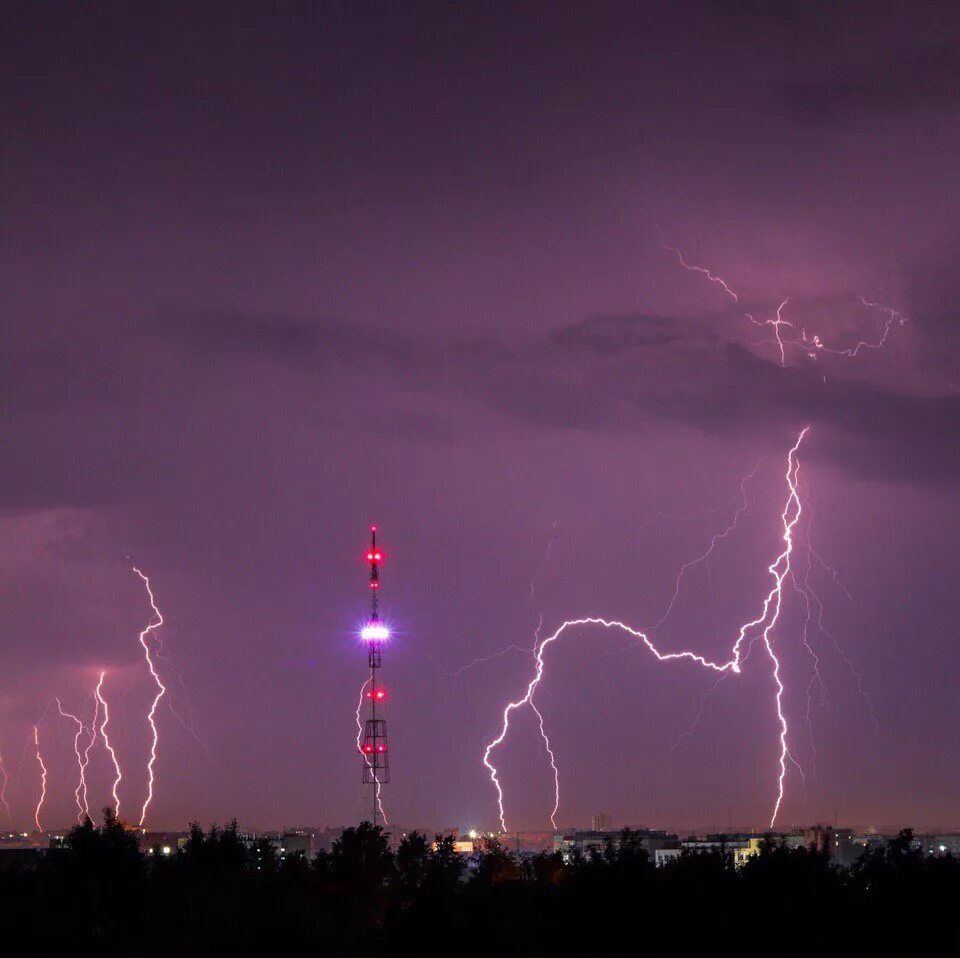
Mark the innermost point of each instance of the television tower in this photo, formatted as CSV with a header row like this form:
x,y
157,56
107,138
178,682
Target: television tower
x,y
376,764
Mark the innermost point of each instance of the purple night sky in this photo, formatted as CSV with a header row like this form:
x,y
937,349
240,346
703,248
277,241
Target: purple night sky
x,y
270,277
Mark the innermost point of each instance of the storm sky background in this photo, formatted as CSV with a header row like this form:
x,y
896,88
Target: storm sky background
x,y
269,276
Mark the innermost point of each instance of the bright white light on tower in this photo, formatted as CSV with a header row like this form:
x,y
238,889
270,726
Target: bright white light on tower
x,y
374,632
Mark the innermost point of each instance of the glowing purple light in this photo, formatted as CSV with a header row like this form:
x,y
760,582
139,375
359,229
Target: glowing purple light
x,y
374,632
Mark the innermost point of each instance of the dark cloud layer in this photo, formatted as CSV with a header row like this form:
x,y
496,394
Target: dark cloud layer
x,y
903,81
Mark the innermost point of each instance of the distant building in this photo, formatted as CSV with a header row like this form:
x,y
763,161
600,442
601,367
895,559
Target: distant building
x,y
663,856
746,851
601,822
570,844
939,844
838,843
302,842
741,847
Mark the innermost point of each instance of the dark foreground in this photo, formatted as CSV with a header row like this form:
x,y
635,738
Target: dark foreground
x,y
102,894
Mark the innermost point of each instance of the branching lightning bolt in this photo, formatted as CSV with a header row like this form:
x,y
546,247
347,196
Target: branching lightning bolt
x,y
814,341
761,628
810,343
80,794
102,703
43,779
161,691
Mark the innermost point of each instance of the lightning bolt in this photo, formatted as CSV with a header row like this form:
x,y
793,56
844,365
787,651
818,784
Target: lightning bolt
x,y
43,779
893,316
80,794
161,691
92,740
713,277
705,555
760,628
360,749
810,343
776,324
102,702
3,791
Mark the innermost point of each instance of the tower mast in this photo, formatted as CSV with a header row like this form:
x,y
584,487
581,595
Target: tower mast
x,y
376,765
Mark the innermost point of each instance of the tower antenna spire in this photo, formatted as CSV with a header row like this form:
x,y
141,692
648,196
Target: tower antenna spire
x,y
376,764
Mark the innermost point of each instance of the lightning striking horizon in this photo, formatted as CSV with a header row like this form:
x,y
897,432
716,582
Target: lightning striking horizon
x,y
759,629
101,701
162,690
80,794
93,731
43,779
366,759
3,791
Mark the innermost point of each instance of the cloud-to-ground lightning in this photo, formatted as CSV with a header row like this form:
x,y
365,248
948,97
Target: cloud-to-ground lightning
x,y
363,695
3,791
810,343
94,729
102,704
760,628
43,779
80,793
155,623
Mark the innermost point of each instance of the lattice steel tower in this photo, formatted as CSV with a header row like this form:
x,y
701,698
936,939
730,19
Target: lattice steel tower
x,y
376,763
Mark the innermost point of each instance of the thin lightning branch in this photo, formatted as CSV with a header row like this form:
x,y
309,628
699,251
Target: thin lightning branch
x,y
718,280
813,599
705,555
815,676
814,342
553,765
102,703
858,677
80,794
696,720
539,714
765,622
43,779
161,691
484,659
92,740
184,723
366,758
829,569
3,791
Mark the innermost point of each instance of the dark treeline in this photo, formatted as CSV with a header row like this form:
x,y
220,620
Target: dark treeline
x,y
102,894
